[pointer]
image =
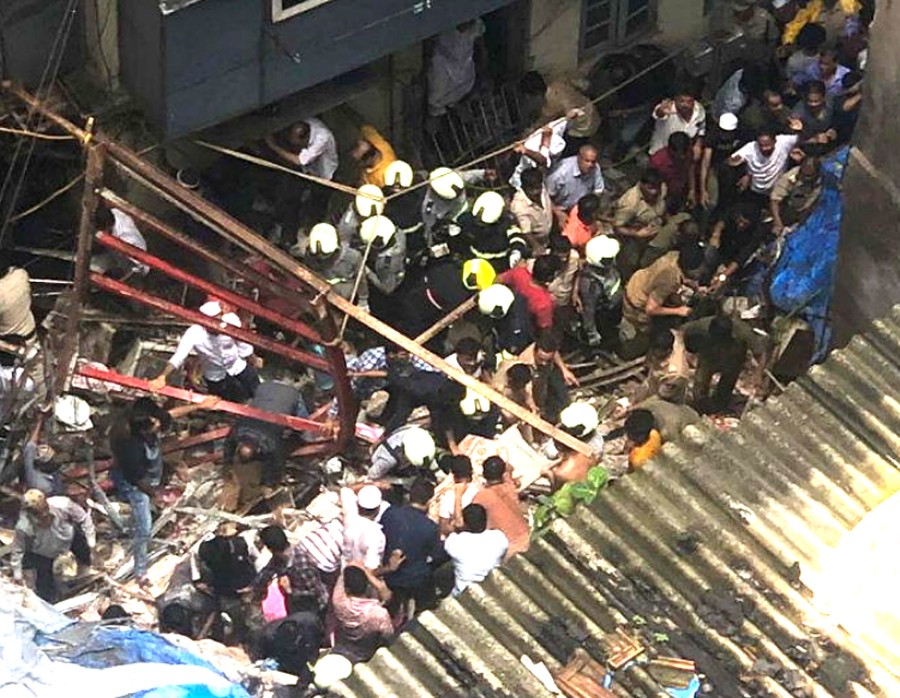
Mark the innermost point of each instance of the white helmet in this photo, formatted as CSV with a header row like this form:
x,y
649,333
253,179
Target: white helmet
x,y
418,446
446,183
495,301
323,240
369,201
331,669
600,248
579,419
398,174
489,207
377,231
474,404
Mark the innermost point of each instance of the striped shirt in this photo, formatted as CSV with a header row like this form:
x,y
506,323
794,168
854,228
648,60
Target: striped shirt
x,y
324,545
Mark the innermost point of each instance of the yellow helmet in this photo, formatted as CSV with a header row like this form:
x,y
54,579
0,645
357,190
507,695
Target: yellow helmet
x,y
323,240
398,174
369,201
446,183
478,274
377,231
489,207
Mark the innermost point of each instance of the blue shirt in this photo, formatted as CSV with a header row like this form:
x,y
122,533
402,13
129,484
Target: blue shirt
x,y
566,184
833,87
410,530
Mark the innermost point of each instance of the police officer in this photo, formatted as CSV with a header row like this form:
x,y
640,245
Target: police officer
x,y
599,290
336,264
489,233
386,262
368,202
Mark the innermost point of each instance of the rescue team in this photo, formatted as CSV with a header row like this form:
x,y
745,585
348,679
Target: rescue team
x,y
555,259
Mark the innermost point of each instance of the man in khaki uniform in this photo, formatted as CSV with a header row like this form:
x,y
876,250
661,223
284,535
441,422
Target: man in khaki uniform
x,y
639,214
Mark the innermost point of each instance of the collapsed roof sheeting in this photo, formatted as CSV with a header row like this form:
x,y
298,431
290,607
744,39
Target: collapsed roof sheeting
x,y
714,552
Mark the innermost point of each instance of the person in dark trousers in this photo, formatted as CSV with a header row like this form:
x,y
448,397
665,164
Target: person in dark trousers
x,y
721,346
734,239
409,386
226,567
47,528
551,393
255,449
408,528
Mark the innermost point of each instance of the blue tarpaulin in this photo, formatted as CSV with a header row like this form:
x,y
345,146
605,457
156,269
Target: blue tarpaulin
x,y
803,278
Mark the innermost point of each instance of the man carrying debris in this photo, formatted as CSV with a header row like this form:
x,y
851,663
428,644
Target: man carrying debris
x,y
229,367
47,528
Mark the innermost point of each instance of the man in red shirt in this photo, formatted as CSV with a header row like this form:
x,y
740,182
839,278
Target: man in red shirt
x,y
532,286
674,165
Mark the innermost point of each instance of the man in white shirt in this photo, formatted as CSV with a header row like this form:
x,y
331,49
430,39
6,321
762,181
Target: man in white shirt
x,y
311,145
452,69
765,159
363,538
120,225
229,366
681,114
476,550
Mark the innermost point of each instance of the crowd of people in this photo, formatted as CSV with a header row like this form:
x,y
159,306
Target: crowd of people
x,y
559,258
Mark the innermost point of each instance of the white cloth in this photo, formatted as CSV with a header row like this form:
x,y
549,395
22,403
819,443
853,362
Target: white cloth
x,y
15,303
363,538
126,230
220,355
474,555
451,72
764,171
668,124
551,153
319,157
448,499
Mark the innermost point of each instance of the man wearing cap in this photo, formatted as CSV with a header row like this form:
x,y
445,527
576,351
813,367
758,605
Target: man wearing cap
x,y
364,543
368,202
490,233
599,291
337,264
409,449
385,264
227,363
717,183
445,200
47,528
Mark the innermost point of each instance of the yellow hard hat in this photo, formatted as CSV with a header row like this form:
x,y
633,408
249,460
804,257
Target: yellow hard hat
x,y
478,274
369,201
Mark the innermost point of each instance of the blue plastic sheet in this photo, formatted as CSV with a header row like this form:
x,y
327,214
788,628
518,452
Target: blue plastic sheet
x,y
803,278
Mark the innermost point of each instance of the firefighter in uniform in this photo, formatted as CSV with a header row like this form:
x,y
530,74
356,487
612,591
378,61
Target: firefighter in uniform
x,y
337,264
386,262
600,291
489,233
369,201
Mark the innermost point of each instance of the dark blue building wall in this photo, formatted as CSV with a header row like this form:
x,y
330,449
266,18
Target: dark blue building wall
x,y
28,29
217,59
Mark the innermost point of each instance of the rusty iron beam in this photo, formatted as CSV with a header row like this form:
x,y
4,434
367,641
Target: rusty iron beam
x,y
96,156
224,294
241,235
237,268
211,324
448,319
284,420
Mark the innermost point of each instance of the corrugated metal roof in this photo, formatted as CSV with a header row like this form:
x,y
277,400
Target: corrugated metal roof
x,y
704,554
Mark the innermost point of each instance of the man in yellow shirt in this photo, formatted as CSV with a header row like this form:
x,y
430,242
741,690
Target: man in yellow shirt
x,y
374,154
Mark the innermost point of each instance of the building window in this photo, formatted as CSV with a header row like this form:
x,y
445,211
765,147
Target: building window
x,y
285,9
606,23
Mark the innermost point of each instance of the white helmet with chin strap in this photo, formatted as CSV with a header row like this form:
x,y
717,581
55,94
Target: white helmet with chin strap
x,y
419,447
601,250
398,174
377,231
446,183
323,240
579,419
495,301
489,207
369,201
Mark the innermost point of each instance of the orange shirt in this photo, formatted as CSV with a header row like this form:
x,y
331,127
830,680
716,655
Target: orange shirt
x,y
641,454
576,230
501,502
375,175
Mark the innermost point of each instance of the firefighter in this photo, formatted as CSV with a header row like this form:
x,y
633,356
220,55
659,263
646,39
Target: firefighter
x,y
407,451
386,262
368,202
510,322
599,291
444,202
489,233
404,208
337,264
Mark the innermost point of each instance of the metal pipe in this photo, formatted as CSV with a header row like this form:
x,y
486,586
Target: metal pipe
x,y
238,269
235,299
284,420
211,324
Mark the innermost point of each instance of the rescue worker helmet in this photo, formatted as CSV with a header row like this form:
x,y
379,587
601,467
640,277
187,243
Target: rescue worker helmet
x,y
601,250
418,447
377,231
446,183
474,405
478,274
495,301
323,240
579,419
489,207
398,174
369,201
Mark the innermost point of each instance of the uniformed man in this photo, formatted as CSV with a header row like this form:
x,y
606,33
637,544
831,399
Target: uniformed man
x,y
407,451
404,207
368,202
445,201
489,233
336,264
386,262
600,290
510,322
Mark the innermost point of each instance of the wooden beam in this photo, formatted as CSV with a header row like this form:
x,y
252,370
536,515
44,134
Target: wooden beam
x,y
448,319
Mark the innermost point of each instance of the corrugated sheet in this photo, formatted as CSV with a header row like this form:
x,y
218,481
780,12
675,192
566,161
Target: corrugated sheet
x,y
703,554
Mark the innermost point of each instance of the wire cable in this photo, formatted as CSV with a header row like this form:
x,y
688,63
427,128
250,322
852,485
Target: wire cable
x,y
35,134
